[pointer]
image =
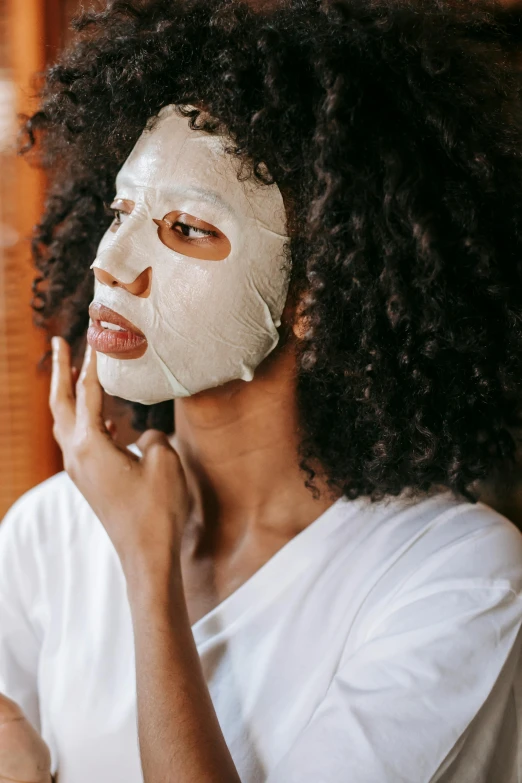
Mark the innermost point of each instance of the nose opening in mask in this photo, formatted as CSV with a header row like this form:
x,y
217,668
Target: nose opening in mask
x,y
140,286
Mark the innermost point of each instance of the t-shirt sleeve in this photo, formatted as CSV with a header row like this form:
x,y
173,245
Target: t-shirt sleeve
x,y
20,602
400,705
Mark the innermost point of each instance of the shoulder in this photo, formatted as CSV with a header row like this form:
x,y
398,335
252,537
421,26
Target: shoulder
x,y
470,540
50,512
440,550
434,533
404,547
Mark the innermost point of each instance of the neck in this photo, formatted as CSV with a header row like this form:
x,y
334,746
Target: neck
x,y
239,446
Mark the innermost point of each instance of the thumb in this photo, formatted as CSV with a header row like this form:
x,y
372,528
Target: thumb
x,y
152,438
159,457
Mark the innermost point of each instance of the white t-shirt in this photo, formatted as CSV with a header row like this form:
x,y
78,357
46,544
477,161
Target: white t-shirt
x,y
380,645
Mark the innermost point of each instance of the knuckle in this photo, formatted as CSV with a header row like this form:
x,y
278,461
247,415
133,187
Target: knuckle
x,y
161,451
54,405
82,445
59,403
80,387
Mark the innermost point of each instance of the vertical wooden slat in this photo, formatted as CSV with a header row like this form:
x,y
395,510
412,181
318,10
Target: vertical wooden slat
x,y
28,453
56,17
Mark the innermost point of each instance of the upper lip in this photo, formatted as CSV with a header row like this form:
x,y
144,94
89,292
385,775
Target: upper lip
x,y
98,312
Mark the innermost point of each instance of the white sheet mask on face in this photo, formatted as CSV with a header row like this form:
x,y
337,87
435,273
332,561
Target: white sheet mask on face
x,y
206,321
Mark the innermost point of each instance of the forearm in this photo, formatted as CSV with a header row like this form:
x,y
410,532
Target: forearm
x,y
180,736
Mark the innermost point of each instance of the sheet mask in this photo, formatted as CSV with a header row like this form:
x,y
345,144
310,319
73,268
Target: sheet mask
x,y
206,322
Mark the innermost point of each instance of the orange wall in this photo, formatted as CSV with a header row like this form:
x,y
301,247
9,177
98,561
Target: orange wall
x,y
28,453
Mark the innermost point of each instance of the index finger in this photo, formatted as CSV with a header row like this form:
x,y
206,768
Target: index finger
x,y
61,398
89,394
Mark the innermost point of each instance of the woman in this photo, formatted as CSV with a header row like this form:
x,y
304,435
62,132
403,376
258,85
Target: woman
x,y
315,249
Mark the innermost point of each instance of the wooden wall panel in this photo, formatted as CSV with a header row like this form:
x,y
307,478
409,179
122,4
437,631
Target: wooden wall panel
x,y
31,34
28,453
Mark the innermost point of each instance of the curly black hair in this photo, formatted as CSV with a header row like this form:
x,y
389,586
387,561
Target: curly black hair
x,y
394,131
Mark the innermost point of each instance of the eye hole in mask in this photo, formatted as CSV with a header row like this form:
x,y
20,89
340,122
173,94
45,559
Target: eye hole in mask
x,y
192,237
120,209
179,231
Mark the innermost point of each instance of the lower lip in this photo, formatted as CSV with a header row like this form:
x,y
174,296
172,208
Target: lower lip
x,y
123,345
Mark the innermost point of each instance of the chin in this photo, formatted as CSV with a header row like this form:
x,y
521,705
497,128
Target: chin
x,y
135,380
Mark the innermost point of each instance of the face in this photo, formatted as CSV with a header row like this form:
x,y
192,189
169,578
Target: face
x,y
191,278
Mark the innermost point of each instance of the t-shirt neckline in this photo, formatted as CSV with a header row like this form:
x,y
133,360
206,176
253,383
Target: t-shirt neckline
x,y
274,575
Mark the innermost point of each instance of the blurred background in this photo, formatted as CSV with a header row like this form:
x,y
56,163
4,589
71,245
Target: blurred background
x,y
31,34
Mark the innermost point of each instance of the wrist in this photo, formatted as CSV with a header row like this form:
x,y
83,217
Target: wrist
x,y
153,580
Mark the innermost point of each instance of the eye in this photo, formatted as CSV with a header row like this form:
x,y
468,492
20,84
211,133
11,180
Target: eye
x,y
191,232
190,236
119,209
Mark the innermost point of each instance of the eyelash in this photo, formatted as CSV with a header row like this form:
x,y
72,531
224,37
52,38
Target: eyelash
x,y
117,213
202,231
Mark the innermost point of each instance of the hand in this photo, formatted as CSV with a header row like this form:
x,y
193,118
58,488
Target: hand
x,y
24,756
142,503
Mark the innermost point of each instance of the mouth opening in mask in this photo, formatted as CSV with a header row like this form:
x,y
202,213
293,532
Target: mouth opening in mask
x,y
112,334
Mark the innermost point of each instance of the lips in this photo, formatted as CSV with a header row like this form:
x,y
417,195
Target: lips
x,y
122,341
